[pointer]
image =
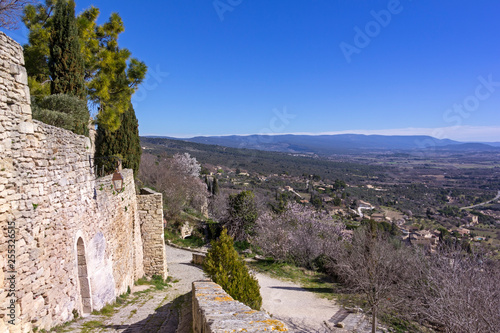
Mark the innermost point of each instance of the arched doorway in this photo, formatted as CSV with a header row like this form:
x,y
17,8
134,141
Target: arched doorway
x,y
83,277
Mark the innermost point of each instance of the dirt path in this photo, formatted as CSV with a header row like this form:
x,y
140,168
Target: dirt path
x,y
300,309
154,310
169,310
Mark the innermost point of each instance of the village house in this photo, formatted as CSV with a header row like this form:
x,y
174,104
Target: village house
x,y
378,217
463,231
423,237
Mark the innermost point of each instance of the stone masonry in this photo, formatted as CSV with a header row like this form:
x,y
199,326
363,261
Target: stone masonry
x,y
150,206
215,311
69,243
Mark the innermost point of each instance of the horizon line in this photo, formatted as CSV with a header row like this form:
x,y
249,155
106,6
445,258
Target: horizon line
x,y
480,134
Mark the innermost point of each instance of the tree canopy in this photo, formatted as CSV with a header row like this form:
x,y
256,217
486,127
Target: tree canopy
x,y
123,143
242,215
66,65
111,75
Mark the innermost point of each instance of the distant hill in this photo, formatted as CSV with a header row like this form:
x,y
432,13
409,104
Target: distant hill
x,y
482,147
329,144
494,144
266,162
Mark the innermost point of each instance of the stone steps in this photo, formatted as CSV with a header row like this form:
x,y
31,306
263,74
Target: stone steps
x,y
339,316
352,322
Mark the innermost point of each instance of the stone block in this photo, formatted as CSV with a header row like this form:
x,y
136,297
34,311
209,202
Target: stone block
x,y
26,128
27,302
21,76
14,69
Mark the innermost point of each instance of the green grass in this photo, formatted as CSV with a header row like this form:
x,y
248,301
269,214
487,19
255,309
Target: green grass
x,y
62,328
312,281
156,281
91,325
109,309
133,312
241,245
192,241
402,326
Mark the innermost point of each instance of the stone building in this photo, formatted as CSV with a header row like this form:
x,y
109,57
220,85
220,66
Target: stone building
x,y
69,242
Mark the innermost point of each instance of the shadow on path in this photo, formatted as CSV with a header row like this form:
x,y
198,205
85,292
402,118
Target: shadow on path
x,y
307,289
165,319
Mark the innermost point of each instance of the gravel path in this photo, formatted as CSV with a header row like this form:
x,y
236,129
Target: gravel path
x,y
180,268
300,309
169,310
161,311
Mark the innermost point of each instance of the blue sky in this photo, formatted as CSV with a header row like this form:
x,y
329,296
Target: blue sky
x,y
318,66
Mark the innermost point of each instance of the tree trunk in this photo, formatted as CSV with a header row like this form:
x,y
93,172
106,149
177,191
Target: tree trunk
x,y
374,319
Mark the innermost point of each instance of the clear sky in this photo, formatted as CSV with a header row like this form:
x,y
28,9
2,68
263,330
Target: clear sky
x,y
314,66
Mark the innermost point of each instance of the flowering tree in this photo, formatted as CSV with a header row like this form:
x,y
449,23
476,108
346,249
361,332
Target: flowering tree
x,y
188,164
176,177
300,234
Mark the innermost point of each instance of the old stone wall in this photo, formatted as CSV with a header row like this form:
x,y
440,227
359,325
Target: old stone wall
x,y
69,243
198,259
215,311
150,207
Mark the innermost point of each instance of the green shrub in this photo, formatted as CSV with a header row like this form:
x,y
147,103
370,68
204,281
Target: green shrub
x,y
63,111
214,229
223,265
241,246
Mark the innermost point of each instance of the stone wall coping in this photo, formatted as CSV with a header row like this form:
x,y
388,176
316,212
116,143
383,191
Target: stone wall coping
x,y
147,191
215,311
200,251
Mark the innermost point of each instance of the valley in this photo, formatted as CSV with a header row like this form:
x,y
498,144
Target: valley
x,y
412,189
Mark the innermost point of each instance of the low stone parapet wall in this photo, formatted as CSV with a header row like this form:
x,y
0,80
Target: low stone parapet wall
x,y
198,259
214,311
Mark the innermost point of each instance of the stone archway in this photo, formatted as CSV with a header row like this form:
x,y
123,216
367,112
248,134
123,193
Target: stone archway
x,y
83,277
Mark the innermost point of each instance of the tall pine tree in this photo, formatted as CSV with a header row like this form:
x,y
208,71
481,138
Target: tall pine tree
x,y
66,64
111,74
123,143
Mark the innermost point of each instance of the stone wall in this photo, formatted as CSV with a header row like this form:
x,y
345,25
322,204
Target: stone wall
x,y
198,259
150,207
215,311
68,242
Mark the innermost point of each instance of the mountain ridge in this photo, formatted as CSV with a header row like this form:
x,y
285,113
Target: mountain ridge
x,y
334,144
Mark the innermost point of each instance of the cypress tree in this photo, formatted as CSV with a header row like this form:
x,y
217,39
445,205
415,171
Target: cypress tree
x,y
123,143
215,187
209,184
225,267
66,64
